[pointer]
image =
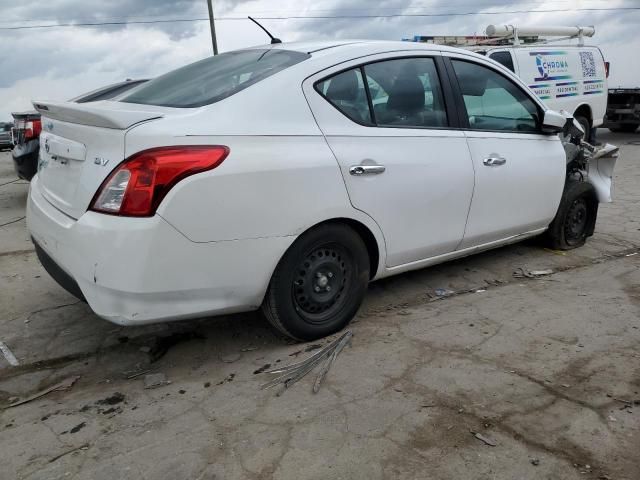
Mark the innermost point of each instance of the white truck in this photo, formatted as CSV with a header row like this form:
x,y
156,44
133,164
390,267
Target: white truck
x,y
566,76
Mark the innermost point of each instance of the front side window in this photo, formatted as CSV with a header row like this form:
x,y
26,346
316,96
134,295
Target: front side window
x,y
346,92
494,102
503,58
214,78
406,92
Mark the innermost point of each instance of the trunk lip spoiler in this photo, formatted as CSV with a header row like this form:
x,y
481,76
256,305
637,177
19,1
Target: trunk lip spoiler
x,y
95,115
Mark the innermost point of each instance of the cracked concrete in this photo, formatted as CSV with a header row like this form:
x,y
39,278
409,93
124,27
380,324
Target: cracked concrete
x,y
542,367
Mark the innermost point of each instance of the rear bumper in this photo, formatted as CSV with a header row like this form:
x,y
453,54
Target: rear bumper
x,y
58,274
25,159
142,270
619,117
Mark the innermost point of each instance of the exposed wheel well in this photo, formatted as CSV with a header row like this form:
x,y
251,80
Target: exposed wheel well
x,y
584,111
367,237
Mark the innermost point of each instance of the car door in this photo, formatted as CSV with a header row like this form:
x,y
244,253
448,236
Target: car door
x,y
519,171
389,127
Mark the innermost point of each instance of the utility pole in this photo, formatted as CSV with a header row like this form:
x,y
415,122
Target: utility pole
x,y
214,42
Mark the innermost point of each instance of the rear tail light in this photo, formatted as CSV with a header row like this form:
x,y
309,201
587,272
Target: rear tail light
x,y
607,68
32,129
138,185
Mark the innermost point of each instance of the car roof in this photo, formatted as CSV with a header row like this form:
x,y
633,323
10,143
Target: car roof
x,y
359,44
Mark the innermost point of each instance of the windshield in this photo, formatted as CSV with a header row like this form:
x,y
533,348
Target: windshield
x,y
109,92
214,78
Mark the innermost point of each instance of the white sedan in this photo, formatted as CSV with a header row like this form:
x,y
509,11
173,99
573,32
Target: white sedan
x,y
288,177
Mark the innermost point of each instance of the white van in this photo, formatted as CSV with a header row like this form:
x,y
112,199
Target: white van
x,y
570,78
565,76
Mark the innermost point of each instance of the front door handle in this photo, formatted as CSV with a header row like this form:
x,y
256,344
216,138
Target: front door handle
x,y
494,160
358,170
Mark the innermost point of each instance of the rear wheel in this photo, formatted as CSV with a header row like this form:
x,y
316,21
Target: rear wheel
x,y
576,217
319,284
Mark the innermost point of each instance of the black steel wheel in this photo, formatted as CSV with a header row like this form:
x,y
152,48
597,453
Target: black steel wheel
x,y
322,277
576,217
319,284
575,223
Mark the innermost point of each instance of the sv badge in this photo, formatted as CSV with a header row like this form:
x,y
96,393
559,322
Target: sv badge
x,y
101,161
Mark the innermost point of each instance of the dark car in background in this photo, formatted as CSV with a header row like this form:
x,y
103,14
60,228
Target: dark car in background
x,y
27,127
623,110
5,135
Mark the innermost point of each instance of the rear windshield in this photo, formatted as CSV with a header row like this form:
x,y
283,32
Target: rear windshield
x,y
109,92
214,78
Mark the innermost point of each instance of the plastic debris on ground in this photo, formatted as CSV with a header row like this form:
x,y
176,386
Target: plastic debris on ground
x,y
524,273
443,292
484,439
155,380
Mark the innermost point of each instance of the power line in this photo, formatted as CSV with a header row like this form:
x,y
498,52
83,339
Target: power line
x,y
322,17
425,4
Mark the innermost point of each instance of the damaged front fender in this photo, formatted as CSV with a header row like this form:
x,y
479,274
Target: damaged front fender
x,y
586,162
600,172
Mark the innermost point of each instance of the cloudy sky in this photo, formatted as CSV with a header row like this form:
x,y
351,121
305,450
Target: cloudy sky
x,y
62,62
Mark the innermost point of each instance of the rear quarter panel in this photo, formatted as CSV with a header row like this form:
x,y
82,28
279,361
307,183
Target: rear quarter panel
x,y
267,186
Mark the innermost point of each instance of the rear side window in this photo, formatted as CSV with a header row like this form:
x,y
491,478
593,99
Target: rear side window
x,y
346,92
504,58
398,93
214,78
406,92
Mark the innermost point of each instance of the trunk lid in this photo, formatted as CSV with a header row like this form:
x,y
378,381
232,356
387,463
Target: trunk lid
x,y
80,145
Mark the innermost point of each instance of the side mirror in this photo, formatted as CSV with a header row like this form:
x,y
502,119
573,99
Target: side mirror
x,y
553,122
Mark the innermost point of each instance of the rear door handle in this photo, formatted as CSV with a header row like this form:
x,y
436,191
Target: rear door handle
x,y
494,160
358,170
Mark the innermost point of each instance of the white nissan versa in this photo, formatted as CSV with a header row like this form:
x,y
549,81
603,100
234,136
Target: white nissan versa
x,y
290,176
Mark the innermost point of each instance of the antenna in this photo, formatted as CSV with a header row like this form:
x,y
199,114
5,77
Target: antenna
x,y
273,39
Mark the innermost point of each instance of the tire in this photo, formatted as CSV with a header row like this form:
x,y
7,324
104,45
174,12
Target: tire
x,y
586,126
319,283
628,127
625,128
576,217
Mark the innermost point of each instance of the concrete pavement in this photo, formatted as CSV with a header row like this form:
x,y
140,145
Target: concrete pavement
x,y
540,367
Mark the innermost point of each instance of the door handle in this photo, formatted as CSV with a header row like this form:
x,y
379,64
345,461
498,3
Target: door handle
x,y
494,160
366,170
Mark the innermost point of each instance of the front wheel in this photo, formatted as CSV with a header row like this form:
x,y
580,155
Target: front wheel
x,y
576,217
319,284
